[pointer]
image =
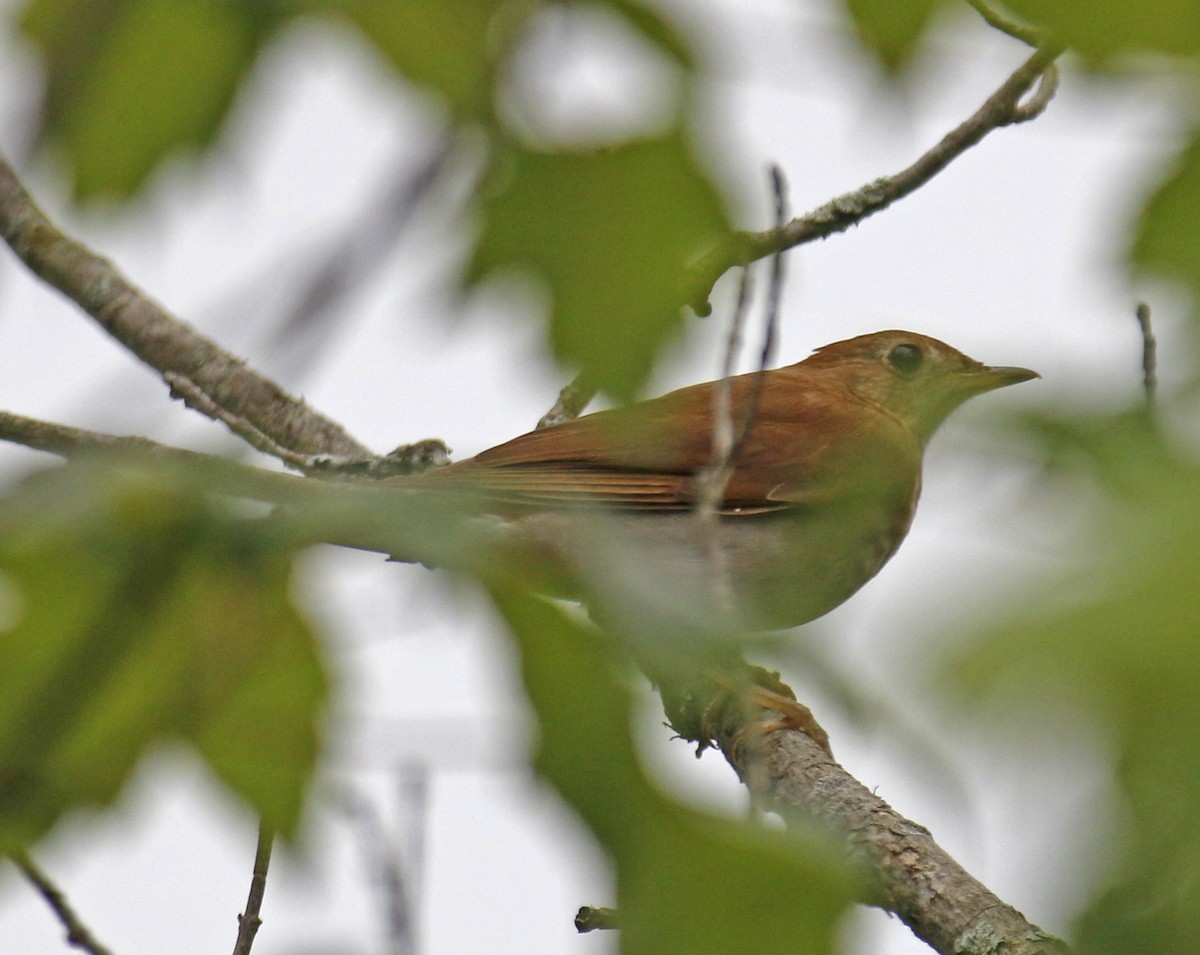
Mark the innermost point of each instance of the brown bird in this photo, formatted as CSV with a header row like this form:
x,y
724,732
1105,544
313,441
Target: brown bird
x,y
820,492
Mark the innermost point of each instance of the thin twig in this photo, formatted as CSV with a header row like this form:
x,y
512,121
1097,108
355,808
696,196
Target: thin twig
x,y
386,862
574,397
406,459
249,921
1149,354
592,918
195,398
1002,108
78,934
771,323
361,249
727,442
710,483
1018,31
1043,93
68,442
158,338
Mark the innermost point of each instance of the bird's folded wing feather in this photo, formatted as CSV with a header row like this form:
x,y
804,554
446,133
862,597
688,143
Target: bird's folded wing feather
x,y
646,456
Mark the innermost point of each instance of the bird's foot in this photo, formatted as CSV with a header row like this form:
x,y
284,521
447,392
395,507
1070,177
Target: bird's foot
x,y
793,715
765,690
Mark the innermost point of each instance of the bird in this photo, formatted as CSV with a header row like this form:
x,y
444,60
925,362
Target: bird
x,y
818,491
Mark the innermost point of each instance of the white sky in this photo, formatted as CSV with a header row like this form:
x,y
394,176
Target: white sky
x,y
1011,255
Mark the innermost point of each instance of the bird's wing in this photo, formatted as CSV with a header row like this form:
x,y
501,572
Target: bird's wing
x,y
646,456
640,457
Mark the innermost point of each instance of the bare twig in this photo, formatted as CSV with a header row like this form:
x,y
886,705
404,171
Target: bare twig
x,y
1018,31
592,918
771,324
69,442
1002,108
158,338
386,861
249,921
727,441
1043,93
346,510
78,934
347,264
709,484
1149,354
571,401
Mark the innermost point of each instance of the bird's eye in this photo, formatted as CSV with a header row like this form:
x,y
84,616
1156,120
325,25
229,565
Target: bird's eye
x,y
905,358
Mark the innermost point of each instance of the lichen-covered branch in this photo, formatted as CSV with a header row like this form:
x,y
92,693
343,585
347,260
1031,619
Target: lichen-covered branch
x,y
166,343
914,877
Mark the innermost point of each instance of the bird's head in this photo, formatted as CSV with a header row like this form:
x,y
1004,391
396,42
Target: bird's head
x,y
915,378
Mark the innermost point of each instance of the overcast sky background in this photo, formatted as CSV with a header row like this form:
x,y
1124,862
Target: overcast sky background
x,y
1011,255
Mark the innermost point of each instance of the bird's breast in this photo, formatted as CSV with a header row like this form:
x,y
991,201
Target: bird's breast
x,y
768,570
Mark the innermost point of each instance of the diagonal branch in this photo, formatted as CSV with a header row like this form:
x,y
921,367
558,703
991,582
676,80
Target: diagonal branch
x,y
993,18
787,772
1002,108
78,935
249,921
158,338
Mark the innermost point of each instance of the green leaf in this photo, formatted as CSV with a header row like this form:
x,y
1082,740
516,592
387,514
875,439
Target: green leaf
x,y
449,46
1103,29
611,233
656,28
130,83
1117,639
892,29
456,47
135,614
1168,231
686,882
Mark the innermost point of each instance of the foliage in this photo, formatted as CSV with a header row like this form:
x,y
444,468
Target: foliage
x,y
137,613
1123,646
142,613
686,882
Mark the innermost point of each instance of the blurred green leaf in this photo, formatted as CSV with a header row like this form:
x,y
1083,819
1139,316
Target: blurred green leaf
x,y
457,48
612,233
892,29
687,883
1103,29
451,46
136,613
1120,636
1168,231
130,83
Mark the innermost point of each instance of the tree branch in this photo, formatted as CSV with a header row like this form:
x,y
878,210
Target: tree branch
x,y
1149,354
1002,108
249,921
78,934
348,510
944,905
162,341
1017,31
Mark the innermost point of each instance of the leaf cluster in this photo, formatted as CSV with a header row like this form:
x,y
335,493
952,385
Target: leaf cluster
x,y
137,612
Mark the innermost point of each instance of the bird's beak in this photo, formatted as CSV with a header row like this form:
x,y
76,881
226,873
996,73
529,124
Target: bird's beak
x,y
987,378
